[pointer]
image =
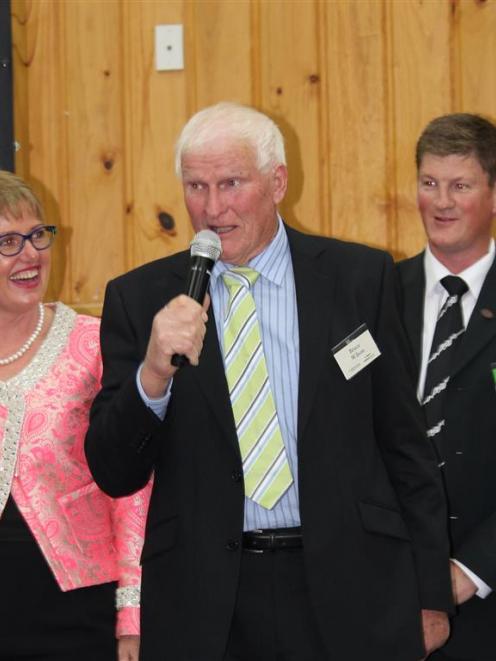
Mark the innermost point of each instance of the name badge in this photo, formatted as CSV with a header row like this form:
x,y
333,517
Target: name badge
x,y
356,351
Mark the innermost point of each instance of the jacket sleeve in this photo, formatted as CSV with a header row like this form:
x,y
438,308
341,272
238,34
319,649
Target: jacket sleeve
x,y
129,517
122,442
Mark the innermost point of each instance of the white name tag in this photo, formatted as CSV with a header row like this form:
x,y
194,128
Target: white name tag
x,y
356,351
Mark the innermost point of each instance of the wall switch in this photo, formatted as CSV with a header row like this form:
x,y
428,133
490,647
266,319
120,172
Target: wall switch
x,y
169,48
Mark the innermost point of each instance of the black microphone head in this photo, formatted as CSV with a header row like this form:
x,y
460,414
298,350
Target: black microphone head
x,y
206,244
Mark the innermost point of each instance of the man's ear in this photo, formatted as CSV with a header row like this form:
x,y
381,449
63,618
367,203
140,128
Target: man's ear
x,y
280,183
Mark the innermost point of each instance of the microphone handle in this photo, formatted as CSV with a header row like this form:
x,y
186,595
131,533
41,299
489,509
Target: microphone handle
x,y
196,288
178,360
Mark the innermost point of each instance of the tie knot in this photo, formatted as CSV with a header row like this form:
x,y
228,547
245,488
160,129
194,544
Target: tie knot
x,y
240,276
454,285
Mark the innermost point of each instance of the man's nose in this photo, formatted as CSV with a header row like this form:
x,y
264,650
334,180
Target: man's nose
x,y
444,198
214,203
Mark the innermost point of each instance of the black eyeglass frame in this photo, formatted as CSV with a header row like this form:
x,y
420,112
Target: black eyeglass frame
x,y
51,229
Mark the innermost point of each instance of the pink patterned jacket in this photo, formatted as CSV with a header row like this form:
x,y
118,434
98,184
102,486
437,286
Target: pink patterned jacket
x,y
86,537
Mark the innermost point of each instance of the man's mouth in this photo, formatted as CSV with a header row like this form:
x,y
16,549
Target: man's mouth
x,y
444,219
222,230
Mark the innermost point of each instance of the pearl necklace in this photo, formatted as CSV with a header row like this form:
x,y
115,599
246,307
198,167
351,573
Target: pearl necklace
x,y
27,344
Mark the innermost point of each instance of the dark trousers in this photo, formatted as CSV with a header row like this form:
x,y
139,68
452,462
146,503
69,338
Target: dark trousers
x,y
440,656
273,618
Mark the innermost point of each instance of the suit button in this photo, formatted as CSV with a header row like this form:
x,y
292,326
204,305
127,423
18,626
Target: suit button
x,y
142,443
232,545
237,476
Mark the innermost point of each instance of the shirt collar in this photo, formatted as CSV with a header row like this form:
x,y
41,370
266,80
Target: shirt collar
x,y
474,275
272,263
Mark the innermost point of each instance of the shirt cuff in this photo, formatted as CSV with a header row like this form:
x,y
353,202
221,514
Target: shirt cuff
x,y
157,405
483,589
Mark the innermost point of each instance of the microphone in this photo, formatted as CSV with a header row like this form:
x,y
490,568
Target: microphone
x,y
205,250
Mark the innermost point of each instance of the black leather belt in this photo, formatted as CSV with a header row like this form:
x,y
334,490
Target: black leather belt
x,y
274,539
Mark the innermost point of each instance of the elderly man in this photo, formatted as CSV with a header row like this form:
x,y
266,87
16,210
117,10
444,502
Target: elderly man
x,y
449,308
297,511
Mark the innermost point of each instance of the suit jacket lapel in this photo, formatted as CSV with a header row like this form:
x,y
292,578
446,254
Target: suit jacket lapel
x,y
481,328
413,289
312,289
212,379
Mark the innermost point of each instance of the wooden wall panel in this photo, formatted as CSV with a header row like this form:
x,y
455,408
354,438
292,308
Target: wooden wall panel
x,y
475,55
421,80
221,52
95,146
352,84
40,121
155,108
289,90
356,103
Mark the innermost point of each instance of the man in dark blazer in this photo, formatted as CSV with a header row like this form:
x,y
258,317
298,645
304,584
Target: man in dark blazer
x,y
456,161
350,562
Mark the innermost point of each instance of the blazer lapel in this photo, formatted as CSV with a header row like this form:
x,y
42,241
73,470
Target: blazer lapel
x,y
212,380
413,289
481,328
312,288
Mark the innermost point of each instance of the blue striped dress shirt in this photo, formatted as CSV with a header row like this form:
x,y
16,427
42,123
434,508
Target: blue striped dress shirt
x,y
275,299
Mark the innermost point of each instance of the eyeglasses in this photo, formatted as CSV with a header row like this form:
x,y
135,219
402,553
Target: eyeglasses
x,y
41,238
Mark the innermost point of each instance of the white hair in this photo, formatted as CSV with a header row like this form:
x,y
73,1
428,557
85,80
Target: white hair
x,y
235,122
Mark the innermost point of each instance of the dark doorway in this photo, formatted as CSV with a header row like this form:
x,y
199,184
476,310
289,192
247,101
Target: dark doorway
x,y
6,90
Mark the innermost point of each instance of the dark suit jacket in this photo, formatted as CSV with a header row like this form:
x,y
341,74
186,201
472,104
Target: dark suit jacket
x,y
371,501
469,450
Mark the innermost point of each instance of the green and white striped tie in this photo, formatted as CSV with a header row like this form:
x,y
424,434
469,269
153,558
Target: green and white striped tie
x,y
267,474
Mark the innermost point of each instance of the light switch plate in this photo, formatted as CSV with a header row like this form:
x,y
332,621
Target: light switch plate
x,y
169,48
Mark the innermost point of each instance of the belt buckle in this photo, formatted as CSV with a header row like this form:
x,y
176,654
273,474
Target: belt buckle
x,y
259,551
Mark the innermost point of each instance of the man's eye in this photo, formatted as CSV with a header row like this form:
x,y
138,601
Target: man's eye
x,y
230,183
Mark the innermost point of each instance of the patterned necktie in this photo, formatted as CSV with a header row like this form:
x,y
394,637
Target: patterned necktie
x,y
447,335
267,474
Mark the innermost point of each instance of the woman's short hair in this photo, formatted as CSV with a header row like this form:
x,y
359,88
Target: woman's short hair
x,y
235,122
16,196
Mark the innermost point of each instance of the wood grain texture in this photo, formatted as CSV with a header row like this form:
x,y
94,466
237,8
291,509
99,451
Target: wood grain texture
x,y
289,90
421,89
40,122
474,51
155,108
95,145
351,83
357,101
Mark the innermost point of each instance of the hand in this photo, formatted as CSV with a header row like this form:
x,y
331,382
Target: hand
x,y
435,625
463,587
128,648
179,327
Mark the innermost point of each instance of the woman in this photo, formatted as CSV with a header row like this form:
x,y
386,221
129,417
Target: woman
x,y
63,543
